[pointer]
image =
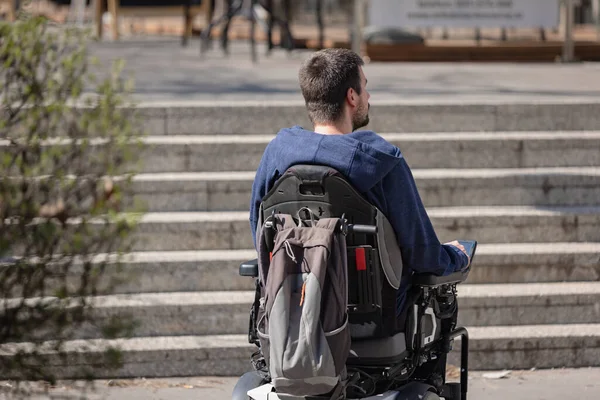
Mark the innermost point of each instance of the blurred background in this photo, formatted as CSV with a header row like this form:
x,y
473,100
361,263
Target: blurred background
x,y
384,30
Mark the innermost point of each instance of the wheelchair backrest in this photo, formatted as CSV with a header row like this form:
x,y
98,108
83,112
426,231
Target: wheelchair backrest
x,y
374,261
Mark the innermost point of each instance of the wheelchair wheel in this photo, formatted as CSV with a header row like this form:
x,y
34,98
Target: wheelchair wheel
x,y
431,396
248,381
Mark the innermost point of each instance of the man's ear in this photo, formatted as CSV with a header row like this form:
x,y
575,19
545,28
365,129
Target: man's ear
x,y
352,97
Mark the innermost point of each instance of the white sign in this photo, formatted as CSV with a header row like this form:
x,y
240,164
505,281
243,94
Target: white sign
x,y
464,13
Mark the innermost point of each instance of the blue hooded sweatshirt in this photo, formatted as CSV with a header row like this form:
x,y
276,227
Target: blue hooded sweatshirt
x,y
378,171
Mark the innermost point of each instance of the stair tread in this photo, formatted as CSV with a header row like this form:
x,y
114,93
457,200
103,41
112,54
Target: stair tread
x,y
465,291
216,342
422,173
188,255
439,212
391,136
487,249
522,332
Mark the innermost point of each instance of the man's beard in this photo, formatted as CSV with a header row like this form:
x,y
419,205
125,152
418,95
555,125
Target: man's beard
x,y
361,118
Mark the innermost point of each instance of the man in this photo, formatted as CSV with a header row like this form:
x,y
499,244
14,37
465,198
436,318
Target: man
x,y
334,88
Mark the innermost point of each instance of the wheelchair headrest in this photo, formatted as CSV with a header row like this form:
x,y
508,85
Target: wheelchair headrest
x,y
312,173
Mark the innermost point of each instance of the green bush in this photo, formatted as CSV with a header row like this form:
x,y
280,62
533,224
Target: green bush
x,y
68,146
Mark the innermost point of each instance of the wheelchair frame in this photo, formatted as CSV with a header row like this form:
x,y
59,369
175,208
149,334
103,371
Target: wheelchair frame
x,y
433,295
388,377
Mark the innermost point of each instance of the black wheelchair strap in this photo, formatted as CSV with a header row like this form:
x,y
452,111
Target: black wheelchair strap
x,y
338,391
252,328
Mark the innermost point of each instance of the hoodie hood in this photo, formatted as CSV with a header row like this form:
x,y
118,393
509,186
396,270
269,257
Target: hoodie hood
x,y
364,157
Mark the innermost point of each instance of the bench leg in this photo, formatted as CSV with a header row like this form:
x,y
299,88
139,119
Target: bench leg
x,y
113,10
187,25
99,8
320,24
253,30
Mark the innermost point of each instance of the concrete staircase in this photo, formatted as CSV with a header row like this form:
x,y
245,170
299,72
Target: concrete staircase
x,y
524,180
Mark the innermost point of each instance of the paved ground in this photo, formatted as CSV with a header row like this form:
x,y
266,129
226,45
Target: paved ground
x,y
165,71
562,384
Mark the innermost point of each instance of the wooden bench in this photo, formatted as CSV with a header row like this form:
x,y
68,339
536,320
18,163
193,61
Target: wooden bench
x,y
523,51
140,8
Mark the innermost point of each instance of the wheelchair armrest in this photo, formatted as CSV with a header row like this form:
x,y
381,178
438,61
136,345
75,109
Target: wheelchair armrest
x,y
435,280
249,268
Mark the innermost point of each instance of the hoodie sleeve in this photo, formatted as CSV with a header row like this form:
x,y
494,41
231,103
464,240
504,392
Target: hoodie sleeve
x,y
265,175
421,250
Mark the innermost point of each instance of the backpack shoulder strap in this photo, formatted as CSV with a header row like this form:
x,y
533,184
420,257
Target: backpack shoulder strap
x,y
273,224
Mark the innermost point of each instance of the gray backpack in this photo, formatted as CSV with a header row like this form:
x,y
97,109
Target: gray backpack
x,y
302,317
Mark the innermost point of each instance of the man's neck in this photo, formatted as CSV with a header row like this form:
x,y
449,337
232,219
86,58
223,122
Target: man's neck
x,y
333,129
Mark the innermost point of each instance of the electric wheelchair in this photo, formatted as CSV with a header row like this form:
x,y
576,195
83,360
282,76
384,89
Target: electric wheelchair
x,y
391,357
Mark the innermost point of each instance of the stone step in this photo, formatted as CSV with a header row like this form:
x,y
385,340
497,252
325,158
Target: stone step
x,y
217,270
255,117
536,263
491,348
211,313
529,303
421,150
532,346
231,230
231,191
222,153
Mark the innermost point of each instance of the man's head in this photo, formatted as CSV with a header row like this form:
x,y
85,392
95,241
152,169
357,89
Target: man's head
x,y
334,87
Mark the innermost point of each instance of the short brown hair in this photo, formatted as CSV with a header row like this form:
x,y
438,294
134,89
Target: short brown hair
x,y
325,78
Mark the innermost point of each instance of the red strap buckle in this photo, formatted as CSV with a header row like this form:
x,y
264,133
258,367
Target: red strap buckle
x,y
361,259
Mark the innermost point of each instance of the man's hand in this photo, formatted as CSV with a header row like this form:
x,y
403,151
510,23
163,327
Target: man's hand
x,y
459,246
